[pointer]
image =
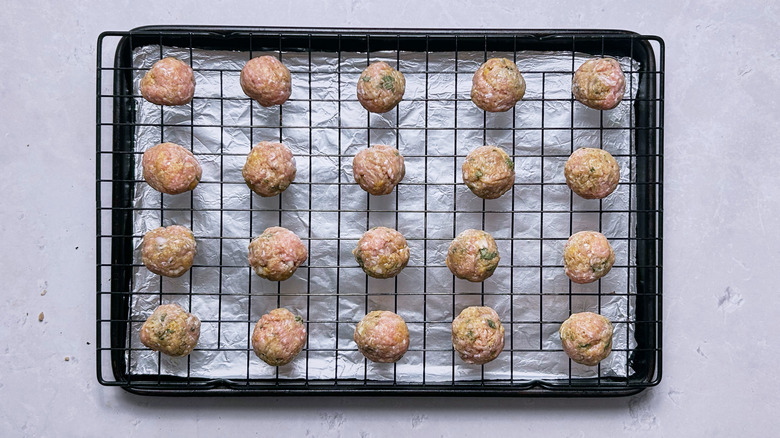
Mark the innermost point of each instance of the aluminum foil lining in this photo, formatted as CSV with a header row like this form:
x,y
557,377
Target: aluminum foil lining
x,y
325,125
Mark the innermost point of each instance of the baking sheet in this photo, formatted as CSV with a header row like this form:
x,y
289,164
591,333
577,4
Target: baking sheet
x,y
330,291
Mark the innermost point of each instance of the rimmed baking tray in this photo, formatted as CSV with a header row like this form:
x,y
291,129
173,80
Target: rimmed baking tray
x,y
529,287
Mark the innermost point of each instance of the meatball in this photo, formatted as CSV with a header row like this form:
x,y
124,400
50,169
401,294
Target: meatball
x,y
269,168
599,83
382,336
497,85
592,173
586,337
378,169
477,335
276,254
380,87
168,251
473,255
169,82
382,252
171,330
170,168
587,257
488,172
266,80
278,337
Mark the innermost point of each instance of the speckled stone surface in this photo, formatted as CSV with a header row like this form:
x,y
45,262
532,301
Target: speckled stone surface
x,y
720,230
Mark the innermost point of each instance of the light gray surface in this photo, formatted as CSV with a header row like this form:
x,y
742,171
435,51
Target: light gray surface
x,y
720,253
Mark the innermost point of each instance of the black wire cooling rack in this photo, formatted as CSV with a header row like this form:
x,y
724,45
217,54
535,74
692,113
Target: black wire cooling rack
x,y
118,262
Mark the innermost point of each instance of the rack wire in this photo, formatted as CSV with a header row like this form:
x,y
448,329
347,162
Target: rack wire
x,y
117,213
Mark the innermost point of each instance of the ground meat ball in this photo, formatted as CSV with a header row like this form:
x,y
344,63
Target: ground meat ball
x,y
170,168
592,173
278,337
488,172
380,87
382,336
378,169
477,335
269,168
168,251
169,82
382,252
599,83
171,330
586,337
473,255
497,85
587,256
266,80
276,254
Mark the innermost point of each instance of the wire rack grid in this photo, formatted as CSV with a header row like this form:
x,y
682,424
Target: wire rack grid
x,y
335,199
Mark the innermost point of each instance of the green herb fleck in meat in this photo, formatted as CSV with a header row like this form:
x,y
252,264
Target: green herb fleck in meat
x,y
584,345
359,260
163,334
486,254
470,334
490,323
592,170
366,78
299,320
599,267
478,174
388,83
510,163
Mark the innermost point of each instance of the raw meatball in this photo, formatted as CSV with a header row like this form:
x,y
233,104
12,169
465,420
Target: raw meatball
x,y
170,168
477,335
592,173
276,254
473,255
269,168
378,169
168,251
587,257
586,337
382,336
599,83
169,82
266,80
488,172
380,87
171,330
382,252
497,85
278,337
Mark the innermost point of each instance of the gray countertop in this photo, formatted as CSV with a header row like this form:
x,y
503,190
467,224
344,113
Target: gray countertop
x,y
720,240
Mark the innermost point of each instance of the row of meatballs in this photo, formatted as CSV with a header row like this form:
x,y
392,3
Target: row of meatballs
x,y
381,336
270,169
497,85
381,252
